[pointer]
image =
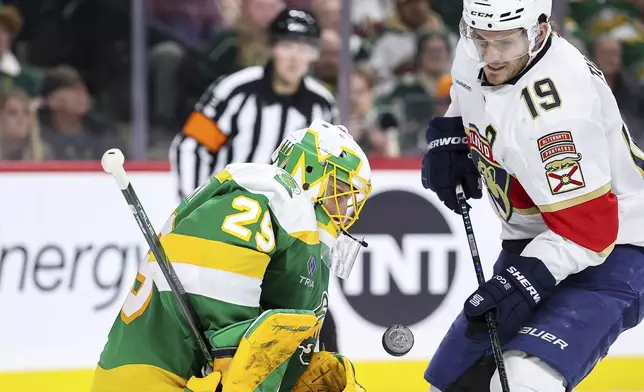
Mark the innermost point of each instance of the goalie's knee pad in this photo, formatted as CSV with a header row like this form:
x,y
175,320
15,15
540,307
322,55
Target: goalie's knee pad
x,y
528,374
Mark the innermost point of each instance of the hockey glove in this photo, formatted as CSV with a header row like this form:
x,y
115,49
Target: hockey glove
x,y
447,162
328,372
511,295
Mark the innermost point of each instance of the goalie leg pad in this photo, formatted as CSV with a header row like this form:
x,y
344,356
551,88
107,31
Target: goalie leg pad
x,y
264,351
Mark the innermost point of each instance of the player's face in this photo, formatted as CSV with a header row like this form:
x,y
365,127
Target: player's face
x,y
338,205
505,53
292,59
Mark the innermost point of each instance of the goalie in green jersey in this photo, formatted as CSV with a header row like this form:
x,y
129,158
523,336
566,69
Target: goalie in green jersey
x,y
253,248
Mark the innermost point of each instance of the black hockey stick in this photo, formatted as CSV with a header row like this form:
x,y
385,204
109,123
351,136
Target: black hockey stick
x,y
112,163
478,268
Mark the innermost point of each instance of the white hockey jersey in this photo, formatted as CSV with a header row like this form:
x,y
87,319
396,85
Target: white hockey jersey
x,y
558,161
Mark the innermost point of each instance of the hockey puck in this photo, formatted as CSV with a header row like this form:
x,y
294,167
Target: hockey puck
x,y
397,340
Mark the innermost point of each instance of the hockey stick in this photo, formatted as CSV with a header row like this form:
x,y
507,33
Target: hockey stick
x,y
112,163
478,268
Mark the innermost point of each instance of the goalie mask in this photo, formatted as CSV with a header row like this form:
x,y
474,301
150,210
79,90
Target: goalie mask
x,y
334,172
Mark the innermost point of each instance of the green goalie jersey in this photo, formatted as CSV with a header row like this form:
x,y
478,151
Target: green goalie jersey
x,y
245,242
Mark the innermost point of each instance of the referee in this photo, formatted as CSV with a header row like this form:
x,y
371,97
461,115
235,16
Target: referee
x,y
244,116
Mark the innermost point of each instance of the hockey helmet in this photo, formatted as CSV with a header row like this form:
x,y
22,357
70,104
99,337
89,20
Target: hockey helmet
x,y
504,15
328,164
294,24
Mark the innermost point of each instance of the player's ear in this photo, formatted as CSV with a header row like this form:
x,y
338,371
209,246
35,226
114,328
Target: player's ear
x,y
543,27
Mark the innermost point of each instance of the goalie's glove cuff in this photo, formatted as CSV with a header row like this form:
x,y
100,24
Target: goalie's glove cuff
x,y
511,295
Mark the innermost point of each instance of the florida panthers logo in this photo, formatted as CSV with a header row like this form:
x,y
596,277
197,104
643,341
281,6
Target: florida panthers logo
x,y
497,180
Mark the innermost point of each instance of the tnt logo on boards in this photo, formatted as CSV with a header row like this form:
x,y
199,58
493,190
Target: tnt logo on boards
x,y
409,266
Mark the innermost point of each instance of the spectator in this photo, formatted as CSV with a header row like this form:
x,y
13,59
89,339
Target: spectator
x,y
414,97
242,45
623,20
67,125
326,67
19,131
367,12
12,72
364,124
628,91
328,13
394,51
190,20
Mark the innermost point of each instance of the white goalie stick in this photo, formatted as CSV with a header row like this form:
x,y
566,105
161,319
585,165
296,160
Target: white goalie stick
x,y
478,268
112,163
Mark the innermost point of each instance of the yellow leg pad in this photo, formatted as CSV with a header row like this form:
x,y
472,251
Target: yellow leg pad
x,y
264,351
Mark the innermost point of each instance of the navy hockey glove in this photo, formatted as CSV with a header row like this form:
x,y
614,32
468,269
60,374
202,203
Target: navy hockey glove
x,y
511,294
447,162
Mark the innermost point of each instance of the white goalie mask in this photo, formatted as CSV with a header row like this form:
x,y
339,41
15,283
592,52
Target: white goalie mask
x,y
480,16
334,172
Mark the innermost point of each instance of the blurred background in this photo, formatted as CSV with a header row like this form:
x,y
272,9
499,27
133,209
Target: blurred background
x,y
78,76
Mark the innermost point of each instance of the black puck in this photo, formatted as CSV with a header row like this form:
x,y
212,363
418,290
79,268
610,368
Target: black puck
x,y
397,340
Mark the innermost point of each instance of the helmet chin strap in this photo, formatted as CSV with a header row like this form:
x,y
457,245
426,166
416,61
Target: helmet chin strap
x,y
363,243
533,53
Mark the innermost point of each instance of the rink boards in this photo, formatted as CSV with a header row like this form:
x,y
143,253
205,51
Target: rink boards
x,y
69,249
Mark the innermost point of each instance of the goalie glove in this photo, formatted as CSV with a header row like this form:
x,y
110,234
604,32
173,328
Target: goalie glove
x,y
328,372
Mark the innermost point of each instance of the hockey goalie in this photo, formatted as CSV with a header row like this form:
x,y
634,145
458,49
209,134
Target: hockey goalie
x,y
253,248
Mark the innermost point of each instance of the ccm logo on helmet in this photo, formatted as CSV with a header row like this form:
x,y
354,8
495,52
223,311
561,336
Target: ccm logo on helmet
x,y
481,14
447,141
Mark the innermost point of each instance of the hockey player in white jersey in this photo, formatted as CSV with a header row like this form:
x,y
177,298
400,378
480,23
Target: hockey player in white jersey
x,y
561,170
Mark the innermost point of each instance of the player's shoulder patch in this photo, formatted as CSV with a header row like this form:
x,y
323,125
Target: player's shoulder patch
x,y
555,144
288,182
561,162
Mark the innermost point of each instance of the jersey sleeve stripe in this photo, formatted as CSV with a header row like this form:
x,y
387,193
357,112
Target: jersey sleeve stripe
x,y
328,228
205,131
593,225
562,205
214,255
212,283
223,176
139,378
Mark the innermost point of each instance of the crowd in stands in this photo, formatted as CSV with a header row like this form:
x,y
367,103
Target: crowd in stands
x,y
65,66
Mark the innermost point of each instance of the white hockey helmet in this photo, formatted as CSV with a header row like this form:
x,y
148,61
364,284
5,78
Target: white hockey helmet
x,y
320,158
334,173
503,15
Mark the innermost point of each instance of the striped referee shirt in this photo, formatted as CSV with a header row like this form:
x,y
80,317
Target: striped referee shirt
x,y
241,119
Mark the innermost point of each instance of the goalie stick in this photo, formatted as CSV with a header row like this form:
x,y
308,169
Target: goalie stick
x,y
112,163
478,268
